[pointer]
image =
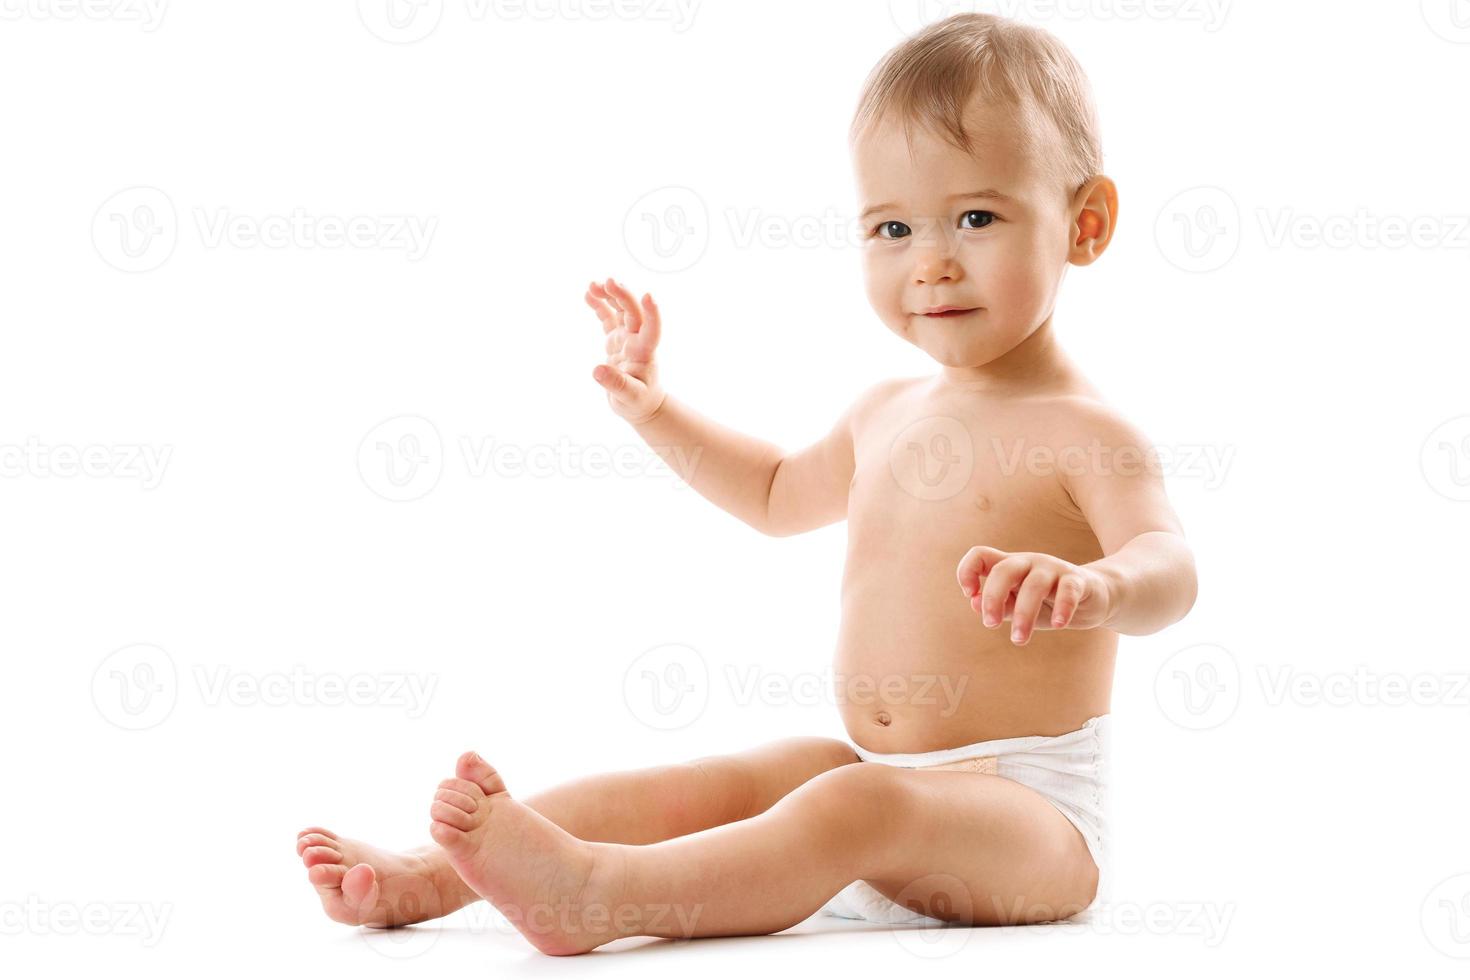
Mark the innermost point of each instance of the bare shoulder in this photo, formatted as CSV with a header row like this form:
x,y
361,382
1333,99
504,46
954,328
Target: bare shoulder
x,y
881,394
1086,419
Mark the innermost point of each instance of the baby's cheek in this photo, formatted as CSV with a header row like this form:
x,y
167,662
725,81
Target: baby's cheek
x,y
880,284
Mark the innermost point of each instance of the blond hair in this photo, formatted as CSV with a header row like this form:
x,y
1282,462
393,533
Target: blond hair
x,y
932,77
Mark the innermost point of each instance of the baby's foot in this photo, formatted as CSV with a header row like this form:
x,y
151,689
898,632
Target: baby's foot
x,y
546,882
362,885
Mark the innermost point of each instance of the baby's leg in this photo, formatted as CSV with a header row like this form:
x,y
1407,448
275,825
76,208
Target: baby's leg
x,y
363,885
966,847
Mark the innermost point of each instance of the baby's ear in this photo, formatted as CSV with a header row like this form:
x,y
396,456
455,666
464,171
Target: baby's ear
x,y
1094,218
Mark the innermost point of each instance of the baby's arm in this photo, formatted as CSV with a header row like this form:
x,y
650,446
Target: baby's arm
x,y
1146,579
1147,565
774,492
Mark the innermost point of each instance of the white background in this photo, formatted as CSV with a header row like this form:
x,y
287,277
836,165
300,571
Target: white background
x,y
1325,377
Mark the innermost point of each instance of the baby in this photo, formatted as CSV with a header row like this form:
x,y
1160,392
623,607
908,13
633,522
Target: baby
x,y
1005,525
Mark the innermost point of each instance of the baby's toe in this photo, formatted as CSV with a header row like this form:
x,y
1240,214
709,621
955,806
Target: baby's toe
x,y
447,836
360,887
452,814
466,799
315,855
308,839
326,875
470,766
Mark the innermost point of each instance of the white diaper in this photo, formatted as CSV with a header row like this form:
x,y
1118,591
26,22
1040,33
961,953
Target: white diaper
x,y
1069,770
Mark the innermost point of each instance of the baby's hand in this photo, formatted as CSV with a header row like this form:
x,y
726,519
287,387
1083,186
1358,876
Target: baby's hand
x,y
1071,596
632,331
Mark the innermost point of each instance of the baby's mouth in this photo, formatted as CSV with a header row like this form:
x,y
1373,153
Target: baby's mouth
x,y
943,314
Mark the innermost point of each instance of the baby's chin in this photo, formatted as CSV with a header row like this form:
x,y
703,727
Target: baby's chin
x,y
955,350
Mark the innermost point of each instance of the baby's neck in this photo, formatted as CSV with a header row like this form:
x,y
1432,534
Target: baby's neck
x,y
1036,362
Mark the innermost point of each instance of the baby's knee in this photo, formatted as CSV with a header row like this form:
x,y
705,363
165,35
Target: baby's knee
x,y
858,795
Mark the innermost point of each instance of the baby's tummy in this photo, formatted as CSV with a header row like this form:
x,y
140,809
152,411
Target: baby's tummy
x,y
916,670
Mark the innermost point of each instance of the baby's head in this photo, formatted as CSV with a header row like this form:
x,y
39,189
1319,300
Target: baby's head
x,y
971,105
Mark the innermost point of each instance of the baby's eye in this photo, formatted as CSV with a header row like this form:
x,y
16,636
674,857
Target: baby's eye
x,y
898,227
983,217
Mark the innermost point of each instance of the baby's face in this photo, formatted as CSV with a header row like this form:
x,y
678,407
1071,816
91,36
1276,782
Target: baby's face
x,y
933,237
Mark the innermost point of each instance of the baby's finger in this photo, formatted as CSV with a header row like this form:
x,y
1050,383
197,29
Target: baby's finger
x,y
1033,590
625,302
1070,590
619,383
1003,579
975,565
652,327
597,299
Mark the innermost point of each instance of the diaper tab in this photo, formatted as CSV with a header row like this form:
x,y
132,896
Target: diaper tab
x,y
980,763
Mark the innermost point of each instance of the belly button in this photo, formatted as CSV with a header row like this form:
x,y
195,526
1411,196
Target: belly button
x,y
983,502
884,719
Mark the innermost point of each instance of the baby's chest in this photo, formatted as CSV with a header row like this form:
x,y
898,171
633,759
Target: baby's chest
x,y
941,479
